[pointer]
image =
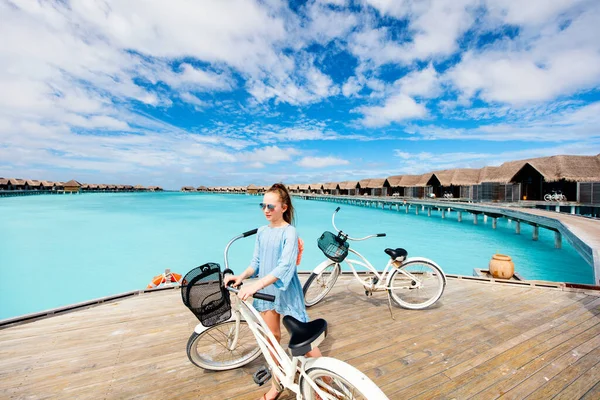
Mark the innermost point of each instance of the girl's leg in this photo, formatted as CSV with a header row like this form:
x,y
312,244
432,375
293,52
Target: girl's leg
x,y
273,320
314,353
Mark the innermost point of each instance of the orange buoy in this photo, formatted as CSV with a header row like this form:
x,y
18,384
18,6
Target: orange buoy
x,y
156,281
175,277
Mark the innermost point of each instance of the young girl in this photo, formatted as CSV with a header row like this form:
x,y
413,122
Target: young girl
x,y
274,262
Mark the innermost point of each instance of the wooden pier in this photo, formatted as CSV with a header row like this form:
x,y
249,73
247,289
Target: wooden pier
x,y
480,341
582,233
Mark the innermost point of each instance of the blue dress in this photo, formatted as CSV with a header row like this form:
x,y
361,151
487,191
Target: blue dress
x,y
275,254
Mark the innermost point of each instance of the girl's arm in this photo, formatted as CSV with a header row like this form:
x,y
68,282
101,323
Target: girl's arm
x,y
248,291
237,279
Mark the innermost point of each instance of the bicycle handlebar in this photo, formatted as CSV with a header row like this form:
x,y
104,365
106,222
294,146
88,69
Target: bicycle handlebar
x,y
261,296
351,238
250,233
243,235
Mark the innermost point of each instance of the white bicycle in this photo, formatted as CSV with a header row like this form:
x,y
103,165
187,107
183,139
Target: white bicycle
x,y
414,283
232,333
555,196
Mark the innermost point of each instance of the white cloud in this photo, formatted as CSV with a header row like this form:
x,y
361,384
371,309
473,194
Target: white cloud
x,y
535,66
397,108
351,87
321,162
424,83
580,123
267,155
434,29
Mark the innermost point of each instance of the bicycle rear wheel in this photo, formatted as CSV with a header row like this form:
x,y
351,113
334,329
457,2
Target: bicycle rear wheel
x,y
417,284
318,285
339,381
212,349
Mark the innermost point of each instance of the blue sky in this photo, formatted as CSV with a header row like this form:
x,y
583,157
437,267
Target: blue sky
x,y
232,92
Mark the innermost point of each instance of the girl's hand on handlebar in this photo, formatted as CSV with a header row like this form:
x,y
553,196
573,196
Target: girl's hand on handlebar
x,y
236,279
248,290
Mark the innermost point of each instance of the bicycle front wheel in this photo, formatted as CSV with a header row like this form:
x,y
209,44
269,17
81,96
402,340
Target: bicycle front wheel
x,y
318,285
339,380
417,284
214,348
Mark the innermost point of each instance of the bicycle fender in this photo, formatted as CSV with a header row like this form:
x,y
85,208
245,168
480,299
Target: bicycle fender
x,y
201,328
421,259
348,372
322,266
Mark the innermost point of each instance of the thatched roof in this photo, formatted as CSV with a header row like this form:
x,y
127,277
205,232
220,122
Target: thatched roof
x,y
375,183
444,176
3,181
364,183
316,186
252,186
72,183
408,180
465,177
570,168
348,185
331,186
304,186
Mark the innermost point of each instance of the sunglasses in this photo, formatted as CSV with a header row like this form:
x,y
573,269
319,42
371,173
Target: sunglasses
x,y
271,207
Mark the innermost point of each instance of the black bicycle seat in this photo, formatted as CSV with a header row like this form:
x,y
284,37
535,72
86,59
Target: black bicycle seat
x,y
397,253
304,334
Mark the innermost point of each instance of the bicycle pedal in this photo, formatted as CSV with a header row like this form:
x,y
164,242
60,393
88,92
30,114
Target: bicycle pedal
x,y
262,376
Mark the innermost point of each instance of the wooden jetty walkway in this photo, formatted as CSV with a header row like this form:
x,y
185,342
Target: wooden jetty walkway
x,y
480,341
582,233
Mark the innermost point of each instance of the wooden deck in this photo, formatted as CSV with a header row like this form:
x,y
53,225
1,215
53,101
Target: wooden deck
x,y
480,341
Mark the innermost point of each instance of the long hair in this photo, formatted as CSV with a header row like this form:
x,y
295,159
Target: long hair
x,y
289,215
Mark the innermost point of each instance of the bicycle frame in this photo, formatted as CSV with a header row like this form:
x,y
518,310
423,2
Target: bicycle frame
x,y
282,367
383,277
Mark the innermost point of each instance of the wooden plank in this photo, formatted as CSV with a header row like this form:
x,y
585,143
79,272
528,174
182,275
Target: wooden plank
x,y
458,348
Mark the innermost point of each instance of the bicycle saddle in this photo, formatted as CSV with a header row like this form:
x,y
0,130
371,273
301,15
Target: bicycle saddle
x,y
397,254
304,336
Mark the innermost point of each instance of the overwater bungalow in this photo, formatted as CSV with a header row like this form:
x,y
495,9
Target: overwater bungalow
x,y
411,184
252,189
304,188
331,188
34,184
47,185
17,184
72,186
577,177
188,189
349,188
3,184
378,187
316,188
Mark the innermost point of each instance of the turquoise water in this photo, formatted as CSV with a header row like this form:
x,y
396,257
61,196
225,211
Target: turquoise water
x,y
59,250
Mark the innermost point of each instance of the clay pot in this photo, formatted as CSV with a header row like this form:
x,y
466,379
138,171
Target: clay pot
x,y
501,266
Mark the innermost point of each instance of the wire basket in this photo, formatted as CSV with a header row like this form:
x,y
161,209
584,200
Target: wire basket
x,y
334,247
202,291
